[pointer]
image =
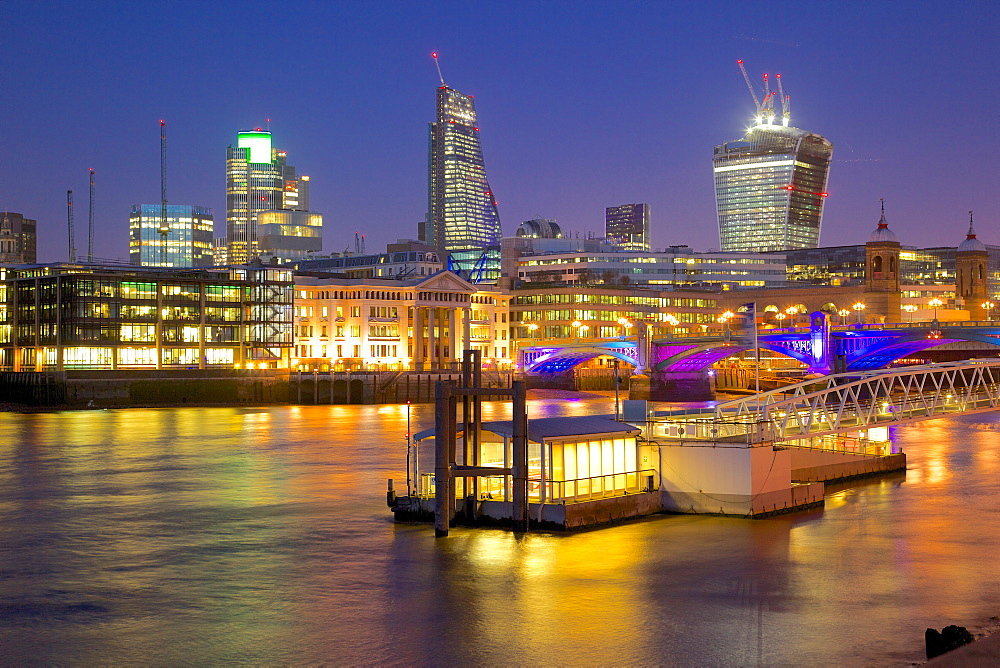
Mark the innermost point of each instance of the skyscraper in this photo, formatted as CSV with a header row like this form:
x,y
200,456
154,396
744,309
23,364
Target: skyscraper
x,y
462,217
18,238
258,181
188,242
628,226
770,186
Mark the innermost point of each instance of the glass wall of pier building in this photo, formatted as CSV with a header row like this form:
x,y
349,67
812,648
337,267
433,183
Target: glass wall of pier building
x,y
184,239
770,189
604,312
421,323
79,316
678,266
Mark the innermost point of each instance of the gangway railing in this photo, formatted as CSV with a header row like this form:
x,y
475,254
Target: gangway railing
x,y
839,403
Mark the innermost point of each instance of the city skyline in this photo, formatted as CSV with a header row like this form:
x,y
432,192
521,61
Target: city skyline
x,y
576,123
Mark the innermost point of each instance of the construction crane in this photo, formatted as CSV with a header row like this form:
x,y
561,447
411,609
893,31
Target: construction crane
x,y
164,228
756,102
90,225
69,225
786,103
767,105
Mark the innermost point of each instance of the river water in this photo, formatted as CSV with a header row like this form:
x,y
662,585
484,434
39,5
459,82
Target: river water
x,y
260,536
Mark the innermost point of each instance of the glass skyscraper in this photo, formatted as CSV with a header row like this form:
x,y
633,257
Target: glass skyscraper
x,y
462,216
770,188
628,226
259,180
188,242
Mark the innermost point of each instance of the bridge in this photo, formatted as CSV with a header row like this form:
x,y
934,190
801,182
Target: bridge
x,y
678,367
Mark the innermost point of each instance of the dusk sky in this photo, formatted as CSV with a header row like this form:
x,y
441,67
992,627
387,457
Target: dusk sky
x,y
582,105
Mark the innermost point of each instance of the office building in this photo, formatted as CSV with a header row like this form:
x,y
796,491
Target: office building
x,y
462,216
628,226
259,181
59,317
185,240
770,186
18,238
404,260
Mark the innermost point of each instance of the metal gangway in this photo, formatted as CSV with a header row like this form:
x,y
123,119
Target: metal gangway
x,y
846,402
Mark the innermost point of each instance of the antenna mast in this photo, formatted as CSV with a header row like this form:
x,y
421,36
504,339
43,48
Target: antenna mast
x,y
164,228
90,225
69,224
434,55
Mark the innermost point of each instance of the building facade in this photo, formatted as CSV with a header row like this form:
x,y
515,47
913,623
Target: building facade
x,y
79,316
187,242
260,183
627,226
18,238
422,324
770,188
678,266
462,215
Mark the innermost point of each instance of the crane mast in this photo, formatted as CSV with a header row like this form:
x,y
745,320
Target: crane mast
x,y
90,224
786,107
69,224
164,228
753,93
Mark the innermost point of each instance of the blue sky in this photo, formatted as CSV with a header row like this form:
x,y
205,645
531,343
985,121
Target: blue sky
x,y
582,105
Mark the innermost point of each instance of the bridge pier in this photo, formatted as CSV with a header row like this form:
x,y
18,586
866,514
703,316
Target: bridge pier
x,y
673,386
565,380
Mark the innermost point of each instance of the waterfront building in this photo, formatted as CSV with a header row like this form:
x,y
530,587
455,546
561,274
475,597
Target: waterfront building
x,y
18,238
405,259
627,226
603,312
423,323
56,317
770,186
462,216
186,243
600,263
882,277
259,183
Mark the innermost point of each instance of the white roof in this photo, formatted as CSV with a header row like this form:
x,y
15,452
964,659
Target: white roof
x,y
545,429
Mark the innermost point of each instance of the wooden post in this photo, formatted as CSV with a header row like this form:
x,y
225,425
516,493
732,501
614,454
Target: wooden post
x,y
520,472
442,468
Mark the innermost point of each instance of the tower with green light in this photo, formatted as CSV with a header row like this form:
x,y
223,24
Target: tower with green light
x,y
260,181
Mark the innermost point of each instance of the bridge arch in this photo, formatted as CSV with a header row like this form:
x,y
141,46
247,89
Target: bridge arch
x,y
703,357
880,354
566,358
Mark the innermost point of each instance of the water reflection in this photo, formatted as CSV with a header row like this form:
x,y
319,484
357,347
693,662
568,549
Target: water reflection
x,y
260,535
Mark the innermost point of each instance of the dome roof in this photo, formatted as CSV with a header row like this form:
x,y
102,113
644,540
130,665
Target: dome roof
x,y
971,243
882,232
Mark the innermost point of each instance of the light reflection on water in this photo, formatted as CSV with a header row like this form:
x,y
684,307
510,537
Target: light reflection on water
x,y
260,535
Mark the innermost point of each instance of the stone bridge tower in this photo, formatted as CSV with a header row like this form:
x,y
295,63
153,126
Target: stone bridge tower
x,y
882,296
971,272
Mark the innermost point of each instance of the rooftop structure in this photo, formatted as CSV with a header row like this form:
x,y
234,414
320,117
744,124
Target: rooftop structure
x,y
18,238
770,186
627,226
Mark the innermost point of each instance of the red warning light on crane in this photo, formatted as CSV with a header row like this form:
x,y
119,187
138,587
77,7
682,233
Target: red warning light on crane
x,y
434,54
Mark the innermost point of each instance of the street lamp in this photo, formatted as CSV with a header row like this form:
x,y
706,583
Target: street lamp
x,y
935,304
791,311
843,313
988,306
859,307
780,317
625,324
532,328
576,325
911,309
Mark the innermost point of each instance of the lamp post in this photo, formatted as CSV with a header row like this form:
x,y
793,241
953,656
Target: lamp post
x,y
911,309
843,313
791,311
859,307
780,317
532,328
725,318
625,325
988,306
935,304
576,325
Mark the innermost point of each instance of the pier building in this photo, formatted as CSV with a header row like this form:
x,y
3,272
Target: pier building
x,y
418,324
